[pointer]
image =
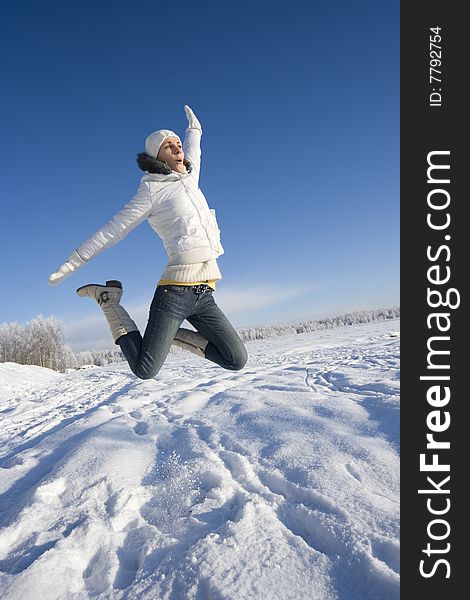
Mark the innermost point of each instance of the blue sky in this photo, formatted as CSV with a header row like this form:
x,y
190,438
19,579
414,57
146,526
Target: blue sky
x,y
299,104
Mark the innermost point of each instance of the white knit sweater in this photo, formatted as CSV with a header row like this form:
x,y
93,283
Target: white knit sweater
x,y
197,272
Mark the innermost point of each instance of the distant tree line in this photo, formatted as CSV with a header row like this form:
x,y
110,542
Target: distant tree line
x,y
41,341
99,358
355,318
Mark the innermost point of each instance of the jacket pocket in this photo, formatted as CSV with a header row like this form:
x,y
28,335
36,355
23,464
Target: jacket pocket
x,y
188,234
186,224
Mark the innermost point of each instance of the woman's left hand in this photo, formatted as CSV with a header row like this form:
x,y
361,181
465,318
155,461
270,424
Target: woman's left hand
x,y
193,122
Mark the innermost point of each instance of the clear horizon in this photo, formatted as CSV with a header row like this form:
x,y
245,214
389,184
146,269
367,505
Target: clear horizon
x,y
92,333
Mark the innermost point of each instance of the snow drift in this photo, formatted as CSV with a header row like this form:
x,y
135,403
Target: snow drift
x,y
279,481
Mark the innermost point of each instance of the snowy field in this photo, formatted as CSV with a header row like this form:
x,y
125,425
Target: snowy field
x,y
277,482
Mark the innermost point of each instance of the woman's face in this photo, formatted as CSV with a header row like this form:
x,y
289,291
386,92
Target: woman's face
x,y
172,154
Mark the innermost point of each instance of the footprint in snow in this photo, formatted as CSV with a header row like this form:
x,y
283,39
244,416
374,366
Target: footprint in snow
x,y
19,563
12,462
95,575
302,522
141,428
316,380
131,555
205,432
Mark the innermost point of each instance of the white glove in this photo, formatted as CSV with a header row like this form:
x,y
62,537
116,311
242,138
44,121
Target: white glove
x,y
193,122
74,261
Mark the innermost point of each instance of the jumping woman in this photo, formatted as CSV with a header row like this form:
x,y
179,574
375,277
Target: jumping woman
x,y
170,199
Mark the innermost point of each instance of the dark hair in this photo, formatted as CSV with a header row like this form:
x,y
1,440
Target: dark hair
x,y
152,165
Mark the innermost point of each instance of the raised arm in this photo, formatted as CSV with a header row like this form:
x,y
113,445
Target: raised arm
x,y
192,140
127,219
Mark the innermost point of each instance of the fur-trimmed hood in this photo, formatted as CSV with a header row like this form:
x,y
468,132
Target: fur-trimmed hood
x,y
152,165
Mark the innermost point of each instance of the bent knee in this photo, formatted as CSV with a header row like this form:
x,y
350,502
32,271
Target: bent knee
x,y
145,376
239,360
147,367
146,373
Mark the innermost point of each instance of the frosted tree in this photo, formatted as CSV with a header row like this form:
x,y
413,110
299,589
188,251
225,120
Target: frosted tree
x,y
39,342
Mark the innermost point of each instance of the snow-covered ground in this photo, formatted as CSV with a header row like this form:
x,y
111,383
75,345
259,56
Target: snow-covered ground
x,y
277,482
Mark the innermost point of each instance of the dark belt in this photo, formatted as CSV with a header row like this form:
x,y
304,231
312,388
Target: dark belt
x,y
202,288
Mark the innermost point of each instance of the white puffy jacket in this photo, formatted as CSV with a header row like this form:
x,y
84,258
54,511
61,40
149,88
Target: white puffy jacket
x,y
175,208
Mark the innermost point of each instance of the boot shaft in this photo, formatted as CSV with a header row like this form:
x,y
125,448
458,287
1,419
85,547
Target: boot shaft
x,y
108,297
192,341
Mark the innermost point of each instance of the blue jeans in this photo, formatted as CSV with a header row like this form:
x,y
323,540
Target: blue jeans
x,y
171,305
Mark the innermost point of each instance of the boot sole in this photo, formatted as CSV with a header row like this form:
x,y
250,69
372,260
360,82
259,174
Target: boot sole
x,y
110,283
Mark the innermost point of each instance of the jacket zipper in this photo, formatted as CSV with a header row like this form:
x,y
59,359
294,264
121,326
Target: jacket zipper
x,y
197,210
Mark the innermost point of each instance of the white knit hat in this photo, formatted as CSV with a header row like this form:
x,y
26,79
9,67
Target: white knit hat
x,y
156,139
